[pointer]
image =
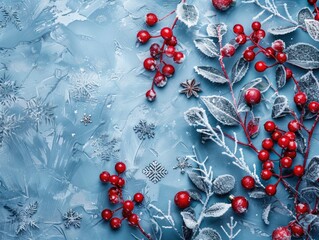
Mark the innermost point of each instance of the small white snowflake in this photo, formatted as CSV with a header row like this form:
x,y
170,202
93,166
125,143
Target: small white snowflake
x,y
86,119
182,163
72,218
155,171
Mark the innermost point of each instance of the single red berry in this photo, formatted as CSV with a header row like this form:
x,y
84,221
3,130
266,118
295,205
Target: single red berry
x,y
270,52
150,95
104,176
297,230
172,41
299,170
271,189
114,179
283,142
267,144
260,66
238,29
223,5
312,2
143,36
115,223
168,70
241,39
150,64
178,57
239,204
317,17
249,55
151,19
138,197
228,50
128,205
121,182
114,191
270,126
133,220
114,198
182,199
302,208
268,165
286,162
107,214
293,126
166,33
256,26
281,57
266,174
155,50
248,182
291,154
263,155
276,135
291,135
281,233
252,96
159,79
126,213
292,146
288,73
260,34
278,45
170,51
300,98
313,107
120,167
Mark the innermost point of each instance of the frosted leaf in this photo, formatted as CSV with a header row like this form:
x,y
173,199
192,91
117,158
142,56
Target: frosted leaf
x,y
188,14
210,73
239,70
223,184
187,233
208,234
307,220
282,30
280,107
189,219
195,195
265,214
217,209
257,193
253,127
310,192
207,47
303,55
304,14
212,29
197,181
195,116
313,28
301,142
254,229
312,172
222,109
280,76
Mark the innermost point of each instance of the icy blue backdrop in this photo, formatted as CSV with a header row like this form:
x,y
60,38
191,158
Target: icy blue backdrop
x,y
63,59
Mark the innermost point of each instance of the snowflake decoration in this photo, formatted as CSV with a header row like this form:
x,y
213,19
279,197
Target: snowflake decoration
x,y
106,149
86,119
9,15
190,88
22,216
72,218
8,125
143,130
182,163
155,171
8,90
38,111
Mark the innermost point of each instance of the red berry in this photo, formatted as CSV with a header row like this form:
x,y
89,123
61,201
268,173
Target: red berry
x,y
159,79
238,29
312,2
283,142
241,39
114,179
292,146
260,34
228,50
256,26
263,155
281,57
267,144
313,107
120,167
172,41
150,95
133,220
299,171
115,223
104,176
252,96
155,50
239,204
168,70
170,51
281,233
300,98
276,135
266,174
317,17
223,5
128,205
107,214
143,36
114,198
271,190
278,45
166,33
114,191
150,64
290,135
291,154
151,19
249,55
286,162
260,66
268,165
288,73
138,197
182,199
248,182
296,230
179,57
270,52
302,208
121,182
270,126
293,126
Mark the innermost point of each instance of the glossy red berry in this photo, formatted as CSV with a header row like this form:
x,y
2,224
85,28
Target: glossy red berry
x,y
266,174
291,135
268,165
260,34
238,29
239,204
281,57
299,170
114,179
317,17
170,51
302,208
260,66
278,45
291,154
133,219
241,39
114,198
168,70
121,182
292,146
267,144
120,167
182,199
228,50
263,155
312,2
252,96
313,107
151,19
150,64
128,205
270,52
297,230
106,214
114,191
143,36
248,182
159,79
155,50
172,41
138,197
281,233
223,5
300,98
283,141
288,73
150,95
276,135
286,162
271,189
293,126
178,57
249,55
115,223
104,176
166,33
256,26
269,126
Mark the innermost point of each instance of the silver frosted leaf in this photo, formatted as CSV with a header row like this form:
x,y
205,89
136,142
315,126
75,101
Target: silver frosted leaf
x,y
187,233
280,76
304,14
280,107
301,142
257,193
210,73
217,209
308,220
312,26
197,181
303,55
312,172
207,47
195,195
212,29
187,13
265,215
189,219
222,109
310,192
239,70
223,184
208,234
195,116
282,30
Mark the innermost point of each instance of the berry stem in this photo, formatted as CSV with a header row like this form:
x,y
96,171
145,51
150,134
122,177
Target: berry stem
x,y
166,16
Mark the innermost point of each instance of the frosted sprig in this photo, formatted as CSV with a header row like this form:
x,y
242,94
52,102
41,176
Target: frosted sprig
x,y
232,234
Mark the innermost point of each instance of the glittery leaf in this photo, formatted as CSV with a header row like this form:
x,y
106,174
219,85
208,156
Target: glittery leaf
x,y
197,181
217,209
280,107
187,13
189,219
312,26
239,70
303,55
212,29
280,76
304,14
312,172
207,47
208,234
257,193
223,184
210,73
265,215
282,30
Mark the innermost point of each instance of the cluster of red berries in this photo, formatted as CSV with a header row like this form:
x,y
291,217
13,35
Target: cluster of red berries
x,y
116,197
155,62
314,3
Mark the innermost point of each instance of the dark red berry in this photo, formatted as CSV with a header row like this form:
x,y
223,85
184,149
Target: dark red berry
x,y
286,162
267,144
270,52
150,64
155,50
278,45
290,135
249,55
223,5
260,66
143,36
281,57
179,57
239,204
150,95
260,34
133,220
114,198
268,165
299,170
288,73
256,26
151,19
228,50
182,199
121,182
107,214
241,39
238,29
248,182
313,107
252,96
276,135
300,98
293,126
292,146
172,41
281,233
128,205
104,176
271,189
291,154
159,79
168,70
120,167
114,191
317,17
302,208
166,33
297,230
114,179
138,197
312,2
170,51
283,142
115,223
263,155
270,126
266,174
